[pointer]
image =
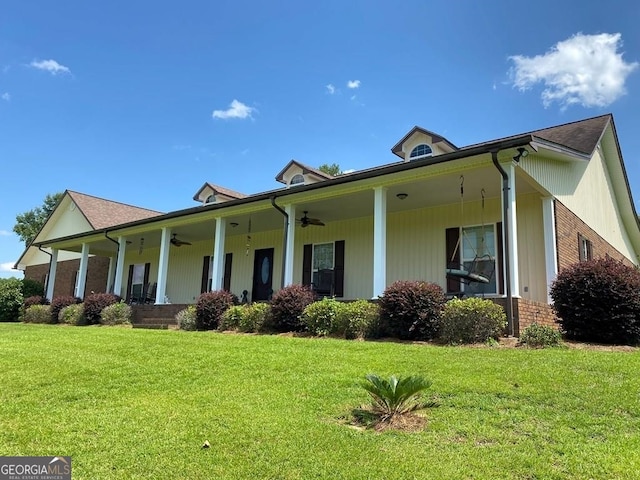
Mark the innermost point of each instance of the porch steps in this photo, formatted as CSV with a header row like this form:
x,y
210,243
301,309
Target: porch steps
x,y
156,316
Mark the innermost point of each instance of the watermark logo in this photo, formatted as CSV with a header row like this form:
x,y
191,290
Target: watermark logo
x,y
35,468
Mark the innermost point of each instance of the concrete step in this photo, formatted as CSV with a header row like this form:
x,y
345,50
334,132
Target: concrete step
x,y
156,326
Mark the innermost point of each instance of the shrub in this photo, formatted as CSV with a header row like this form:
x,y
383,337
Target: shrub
x,y
95,303
116,314
540,336
209,308
411,310
471,320
72,314
32,288
396,396
232,317
323,317
58,303
255,317
37,314
186,318
35,300
287,306
363,319
11,299
599,301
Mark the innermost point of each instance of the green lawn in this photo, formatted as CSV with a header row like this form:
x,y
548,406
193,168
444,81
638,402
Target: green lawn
x,y
140,403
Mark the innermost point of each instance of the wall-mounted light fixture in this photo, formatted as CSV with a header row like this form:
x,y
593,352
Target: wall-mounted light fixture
x,y
522,153
402,196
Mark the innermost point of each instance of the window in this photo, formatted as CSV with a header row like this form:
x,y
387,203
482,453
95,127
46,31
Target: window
x,y
137,281
322,260
421,151
478,247
297,179
210,199
585,248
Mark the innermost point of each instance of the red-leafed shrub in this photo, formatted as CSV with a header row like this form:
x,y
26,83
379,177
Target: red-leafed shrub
x,y
411,310
35,300
59,303
210,307
287,306
599,301
95,303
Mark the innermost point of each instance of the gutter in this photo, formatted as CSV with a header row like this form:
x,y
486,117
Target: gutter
x,y
284,238
507,251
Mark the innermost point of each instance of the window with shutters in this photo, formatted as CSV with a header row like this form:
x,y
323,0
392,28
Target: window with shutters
x,y
585,248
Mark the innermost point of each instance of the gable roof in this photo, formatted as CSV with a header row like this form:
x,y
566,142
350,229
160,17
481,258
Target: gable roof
x,y
305,169
218,189
397,148
102,213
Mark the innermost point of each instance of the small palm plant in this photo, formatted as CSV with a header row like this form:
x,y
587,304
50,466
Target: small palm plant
x,y
396,396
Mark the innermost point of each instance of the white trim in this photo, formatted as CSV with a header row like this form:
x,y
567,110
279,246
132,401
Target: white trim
x,y
110,274
291,236
117,284
51,280
217,276
513,231
379,241
550,249
82,272
163,266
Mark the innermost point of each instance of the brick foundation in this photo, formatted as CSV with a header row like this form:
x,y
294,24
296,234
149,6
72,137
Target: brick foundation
x,y
568,227
156,314
527,312
97,273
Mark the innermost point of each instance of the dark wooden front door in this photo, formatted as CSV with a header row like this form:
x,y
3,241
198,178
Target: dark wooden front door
x,y
262,274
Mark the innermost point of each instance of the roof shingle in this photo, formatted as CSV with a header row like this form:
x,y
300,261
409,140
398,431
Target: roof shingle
x,y
102,213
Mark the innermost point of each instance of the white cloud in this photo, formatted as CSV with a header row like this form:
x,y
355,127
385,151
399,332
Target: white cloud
x,y
50,66
331,89
5,233
236,110
353,84
6,97
349,170
584,69
8,267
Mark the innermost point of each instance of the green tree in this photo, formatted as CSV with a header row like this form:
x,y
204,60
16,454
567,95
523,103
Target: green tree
x,y
29,223
333,169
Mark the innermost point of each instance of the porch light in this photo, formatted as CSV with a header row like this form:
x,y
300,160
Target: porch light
x,y
522,153
402,196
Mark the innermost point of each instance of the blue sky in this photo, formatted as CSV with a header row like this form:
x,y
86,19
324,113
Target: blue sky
x,y
142,102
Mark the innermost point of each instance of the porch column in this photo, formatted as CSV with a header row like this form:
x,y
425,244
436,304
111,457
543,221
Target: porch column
x,y
82,273
290,246
550,250
217,276
51,279
110,273
379,241
117,283
513,230
163,265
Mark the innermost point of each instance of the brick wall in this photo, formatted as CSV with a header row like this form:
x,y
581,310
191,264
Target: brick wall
x,y
527,312
97,273
568,227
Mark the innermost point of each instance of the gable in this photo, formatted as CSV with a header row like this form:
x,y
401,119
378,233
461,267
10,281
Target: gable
x,y
296,173
419,136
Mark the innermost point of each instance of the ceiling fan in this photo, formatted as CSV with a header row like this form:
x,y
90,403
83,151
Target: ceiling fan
x,y
306,221
178,243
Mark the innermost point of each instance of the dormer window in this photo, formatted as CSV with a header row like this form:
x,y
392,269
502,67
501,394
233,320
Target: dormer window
x,y
421,151
297,179
210,199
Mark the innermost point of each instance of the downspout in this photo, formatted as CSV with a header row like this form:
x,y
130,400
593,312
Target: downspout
x,y
106,234
505,230
284,238
46,287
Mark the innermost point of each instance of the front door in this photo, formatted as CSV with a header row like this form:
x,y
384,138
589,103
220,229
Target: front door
x,y
262,274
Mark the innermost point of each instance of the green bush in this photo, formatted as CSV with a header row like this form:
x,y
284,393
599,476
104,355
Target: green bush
x,y
540,336
11,299
58,303
255,317
232,317
599,301
37,314
72,314
471,320
116,314
321,318
362,319
411,310
32,288
396,396
287,306
186,318
210,307
95,303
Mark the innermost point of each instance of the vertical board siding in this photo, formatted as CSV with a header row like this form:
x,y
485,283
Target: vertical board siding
x,y
531,259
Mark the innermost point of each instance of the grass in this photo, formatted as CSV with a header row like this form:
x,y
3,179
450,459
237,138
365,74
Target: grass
x,y
140,403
